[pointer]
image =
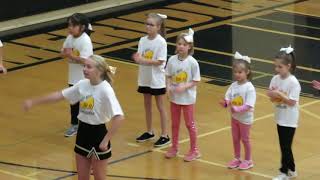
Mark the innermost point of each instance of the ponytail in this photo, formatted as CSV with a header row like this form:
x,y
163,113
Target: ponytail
x,y
103,66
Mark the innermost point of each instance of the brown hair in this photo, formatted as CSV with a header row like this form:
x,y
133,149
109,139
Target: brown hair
x,y
103,66
160,22
246,65
287,59
191,44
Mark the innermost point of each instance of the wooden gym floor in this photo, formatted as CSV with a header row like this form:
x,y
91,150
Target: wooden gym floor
x,y
32,144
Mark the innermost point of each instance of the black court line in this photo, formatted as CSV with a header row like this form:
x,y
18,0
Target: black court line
x,y
68,171
202,24
118,176
130,40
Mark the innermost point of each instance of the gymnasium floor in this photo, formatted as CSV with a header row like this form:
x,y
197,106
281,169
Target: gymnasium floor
x,y
32,144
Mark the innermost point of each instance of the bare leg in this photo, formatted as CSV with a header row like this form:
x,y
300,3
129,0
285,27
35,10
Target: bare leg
x,y
83,167
163,114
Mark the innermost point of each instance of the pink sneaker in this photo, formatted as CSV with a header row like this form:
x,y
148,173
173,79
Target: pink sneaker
x,y
246,165
234,163
192,155
171,153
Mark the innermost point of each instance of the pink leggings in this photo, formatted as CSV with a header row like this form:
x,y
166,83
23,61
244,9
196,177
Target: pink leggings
x,y
241,132
188,111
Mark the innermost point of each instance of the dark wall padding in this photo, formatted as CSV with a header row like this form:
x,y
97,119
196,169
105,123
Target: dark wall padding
x,y
11,9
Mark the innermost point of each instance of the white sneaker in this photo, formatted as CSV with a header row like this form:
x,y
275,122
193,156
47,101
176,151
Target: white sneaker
x,y
292,174
281,176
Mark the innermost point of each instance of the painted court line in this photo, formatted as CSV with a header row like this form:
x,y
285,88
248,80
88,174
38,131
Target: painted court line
x,y
16,175
275,32
296,12
218,165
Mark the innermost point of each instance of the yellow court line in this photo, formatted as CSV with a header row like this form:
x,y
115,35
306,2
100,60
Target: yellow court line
x,y
260,76
16,175
287,23
218,130
228,127
310,113
296,12
34,173
218,165
252,58
230,67
275,32
207,26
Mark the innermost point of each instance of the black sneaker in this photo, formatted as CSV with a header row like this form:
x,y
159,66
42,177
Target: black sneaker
x,y
145,136
162,141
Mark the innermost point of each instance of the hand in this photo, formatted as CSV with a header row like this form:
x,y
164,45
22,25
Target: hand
x,y
233,109
27,105
137,57
180,88
273,93
3,69
223,103
316,84
66,52
104,144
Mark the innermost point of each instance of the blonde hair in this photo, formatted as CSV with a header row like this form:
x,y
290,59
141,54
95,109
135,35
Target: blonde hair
x,y
103,66
191,44
160,22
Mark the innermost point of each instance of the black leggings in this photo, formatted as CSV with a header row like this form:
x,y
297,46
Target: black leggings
x,y
74,111
286,135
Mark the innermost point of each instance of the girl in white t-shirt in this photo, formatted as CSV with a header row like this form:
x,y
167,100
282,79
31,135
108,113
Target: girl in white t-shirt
x,y
77,47
241,98
98,105
183,75
284,92
151,57
2,68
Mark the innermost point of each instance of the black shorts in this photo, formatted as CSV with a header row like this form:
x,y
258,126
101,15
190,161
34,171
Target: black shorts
x,y
88,140
154,92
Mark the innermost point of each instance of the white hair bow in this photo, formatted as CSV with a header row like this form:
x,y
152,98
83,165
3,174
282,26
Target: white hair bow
x,y
189,36
237,55
113,69
288,50
163,16
90,27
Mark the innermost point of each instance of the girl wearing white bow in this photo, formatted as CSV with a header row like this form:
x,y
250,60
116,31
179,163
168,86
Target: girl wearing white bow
x,y
241,98
183,75
284,92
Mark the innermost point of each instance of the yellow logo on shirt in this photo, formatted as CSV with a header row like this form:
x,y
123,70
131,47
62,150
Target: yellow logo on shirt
x,y
75,52
88,103
148,55
180,77
237,101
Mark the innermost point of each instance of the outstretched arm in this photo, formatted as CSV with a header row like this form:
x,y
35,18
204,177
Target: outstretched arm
x,y
51,98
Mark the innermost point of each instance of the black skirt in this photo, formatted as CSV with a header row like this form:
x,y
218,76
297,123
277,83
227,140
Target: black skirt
x,y
152,91
88,140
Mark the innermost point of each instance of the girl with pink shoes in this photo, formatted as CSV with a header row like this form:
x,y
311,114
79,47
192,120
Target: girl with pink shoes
x,y
241,98
183,74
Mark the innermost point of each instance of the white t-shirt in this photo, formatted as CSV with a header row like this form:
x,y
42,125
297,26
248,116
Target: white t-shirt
x,y
242,94
153,50
285,115
183,72
98,104
1,45
81,47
